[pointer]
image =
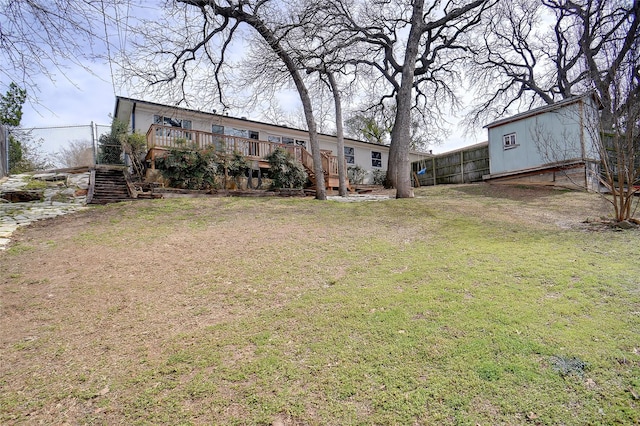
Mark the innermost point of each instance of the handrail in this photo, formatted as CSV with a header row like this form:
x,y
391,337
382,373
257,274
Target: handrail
x,y
160,136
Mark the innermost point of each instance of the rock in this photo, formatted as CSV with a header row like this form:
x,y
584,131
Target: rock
x,y
4,241
80,192
22,196
50,177
625,224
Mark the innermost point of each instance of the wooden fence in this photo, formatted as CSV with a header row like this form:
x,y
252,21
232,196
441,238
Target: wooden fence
x,y
465,165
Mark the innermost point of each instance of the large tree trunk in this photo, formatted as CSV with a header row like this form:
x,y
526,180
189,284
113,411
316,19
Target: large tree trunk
x,y
273,42
342,173
399,169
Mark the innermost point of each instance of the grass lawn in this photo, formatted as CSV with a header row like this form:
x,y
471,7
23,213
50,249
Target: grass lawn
x,y
471,305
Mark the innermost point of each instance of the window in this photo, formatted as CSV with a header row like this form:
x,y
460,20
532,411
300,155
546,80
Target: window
x,y
287,140
301,143
172,122
253,135
349,155
376,159
216,128
509,141
273,138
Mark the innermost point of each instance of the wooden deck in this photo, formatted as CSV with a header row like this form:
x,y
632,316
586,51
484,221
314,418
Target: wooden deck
x,y
160,139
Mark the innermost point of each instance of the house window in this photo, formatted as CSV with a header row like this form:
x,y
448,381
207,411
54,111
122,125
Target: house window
x,y
216,128
349,155
509,141
172,122
253,135
301,143
273,138
376,159
288,141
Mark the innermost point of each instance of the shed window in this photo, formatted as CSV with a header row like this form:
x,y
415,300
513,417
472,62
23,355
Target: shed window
x,y
376,159
349,155
509,141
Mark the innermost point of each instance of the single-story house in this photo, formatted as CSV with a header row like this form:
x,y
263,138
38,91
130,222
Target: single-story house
x,y
554,145
164,125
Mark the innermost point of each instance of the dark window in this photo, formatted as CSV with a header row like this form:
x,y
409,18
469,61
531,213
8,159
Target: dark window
x,y
509,141
349,155
376,159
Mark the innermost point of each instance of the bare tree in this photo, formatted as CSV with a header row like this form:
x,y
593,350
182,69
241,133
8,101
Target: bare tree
x,y
416,47
76,153
203,40
40,37
589,45
531,53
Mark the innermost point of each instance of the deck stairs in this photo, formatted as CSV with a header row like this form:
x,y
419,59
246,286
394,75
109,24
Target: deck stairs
x,y
108,185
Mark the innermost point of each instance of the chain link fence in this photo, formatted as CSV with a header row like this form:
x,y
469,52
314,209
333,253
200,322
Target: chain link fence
x,y
67,146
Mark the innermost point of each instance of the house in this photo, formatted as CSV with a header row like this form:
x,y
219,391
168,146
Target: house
x,y
554,145
169,126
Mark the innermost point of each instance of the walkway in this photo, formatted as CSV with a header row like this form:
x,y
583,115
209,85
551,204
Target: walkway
x,y
65,193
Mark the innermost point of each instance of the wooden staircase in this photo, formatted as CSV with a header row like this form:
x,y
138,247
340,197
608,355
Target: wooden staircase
x,y
108,185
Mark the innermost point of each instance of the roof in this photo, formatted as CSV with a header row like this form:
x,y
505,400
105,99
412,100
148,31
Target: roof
x,y
545,108
122,98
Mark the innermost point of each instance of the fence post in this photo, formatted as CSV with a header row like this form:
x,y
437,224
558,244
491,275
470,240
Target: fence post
x,y
94,142
433,170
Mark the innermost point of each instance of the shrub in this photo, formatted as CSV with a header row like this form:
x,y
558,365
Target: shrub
x,y
356,174
189,169
285,171
237,165
379,176
110,145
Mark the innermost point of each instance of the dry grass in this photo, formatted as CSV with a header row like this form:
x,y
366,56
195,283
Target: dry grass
x,y
443,309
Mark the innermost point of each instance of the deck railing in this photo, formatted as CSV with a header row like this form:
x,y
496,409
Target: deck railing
x,y
160,136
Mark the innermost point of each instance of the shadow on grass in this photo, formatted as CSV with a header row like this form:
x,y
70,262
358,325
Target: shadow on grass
x,y
512,192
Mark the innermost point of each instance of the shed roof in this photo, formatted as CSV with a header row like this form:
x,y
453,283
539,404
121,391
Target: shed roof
x,y
546,108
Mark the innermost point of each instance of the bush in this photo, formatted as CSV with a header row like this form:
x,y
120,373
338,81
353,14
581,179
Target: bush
x,y
356,174
285,171
189,169
237,165
110,146
379,177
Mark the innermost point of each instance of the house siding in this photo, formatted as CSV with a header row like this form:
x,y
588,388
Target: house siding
x,y
141,115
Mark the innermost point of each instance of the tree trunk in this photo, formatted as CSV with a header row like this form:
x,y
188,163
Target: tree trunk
x,y
398,169
342,173
273,42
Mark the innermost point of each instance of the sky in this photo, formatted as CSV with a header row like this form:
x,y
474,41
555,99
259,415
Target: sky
x,y
75,99
78,97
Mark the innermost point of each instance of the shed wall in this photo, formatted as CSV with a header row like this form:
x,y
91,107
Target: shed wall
x,y
546,138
